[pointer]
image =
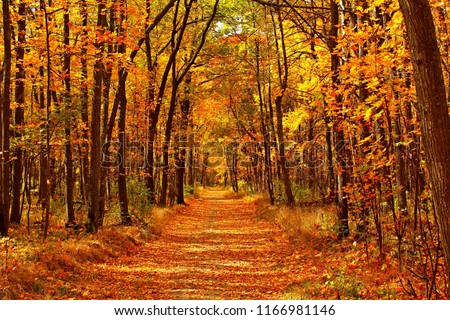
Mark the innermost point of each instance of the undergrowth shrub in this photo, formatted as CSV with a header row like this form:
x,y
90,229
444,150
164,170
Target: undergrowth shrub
x,y
299,221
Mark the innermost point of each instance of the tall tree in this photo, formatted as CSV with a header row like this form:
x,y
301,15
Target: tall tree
x,y
84,103
267,158
283,72
125,218
108,119
68,160
180,158
5,174
432,107
45,181
123,77
94,181
175,43
343,177
177,79
19,96
151,103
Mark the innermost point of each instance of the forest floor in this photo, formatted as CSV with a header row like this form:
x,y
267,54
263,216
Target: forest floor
x,y
215,248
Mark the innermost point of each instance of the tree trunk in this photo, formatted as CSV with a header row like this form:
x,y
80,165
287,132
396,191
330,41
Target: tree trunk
x,y
167,138
125,218
267,161
106,131
177,79
151,104
94,181
341,153
181,157
68,161
4,122
433,109
84,177
47,154
192,164
283,75
16,212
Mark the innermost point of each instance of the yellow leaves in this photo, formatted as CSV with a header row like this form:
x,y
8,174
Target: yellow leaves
x,y
359,8
378,3
355,71
294,119
368,114
396,20
373,83
4,240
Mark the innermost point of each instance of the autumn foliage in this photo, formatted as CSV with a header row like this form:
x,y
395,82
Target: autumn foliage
x,y
304,111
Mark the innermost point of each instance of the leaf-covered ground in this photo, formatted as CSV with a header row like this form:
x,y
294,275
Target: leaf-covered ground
x,y
215,248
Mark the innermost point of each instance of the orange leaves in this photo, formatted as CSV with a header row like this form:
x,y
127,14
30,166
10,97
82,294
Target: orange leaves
x,y
352,266
233,39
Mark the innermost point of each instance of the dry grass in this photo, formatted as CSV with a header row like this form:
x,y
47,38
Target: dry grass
x,y
32,269
351,268
158,221
298,222
301,222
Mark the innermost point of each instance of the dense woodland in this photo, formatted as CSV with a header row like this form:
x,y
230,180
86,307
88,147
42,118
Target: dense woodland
x,y
117,106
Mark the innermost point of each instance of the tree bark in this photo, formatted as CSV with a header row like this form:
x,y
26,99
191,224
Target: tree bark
x,y
48,102
125,218
343,177
167,138
267,161
94,181
19,93
84,154
151,104
106,131
283,75
4,121
181,156
432,108
68,161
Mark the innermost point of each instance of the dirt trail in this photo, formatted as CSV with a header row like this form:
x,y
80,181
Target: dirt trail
x,y
215,248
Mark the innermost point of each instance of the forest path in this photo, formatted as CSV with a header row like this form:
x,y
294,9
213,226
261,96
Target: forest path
x,y
215,248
